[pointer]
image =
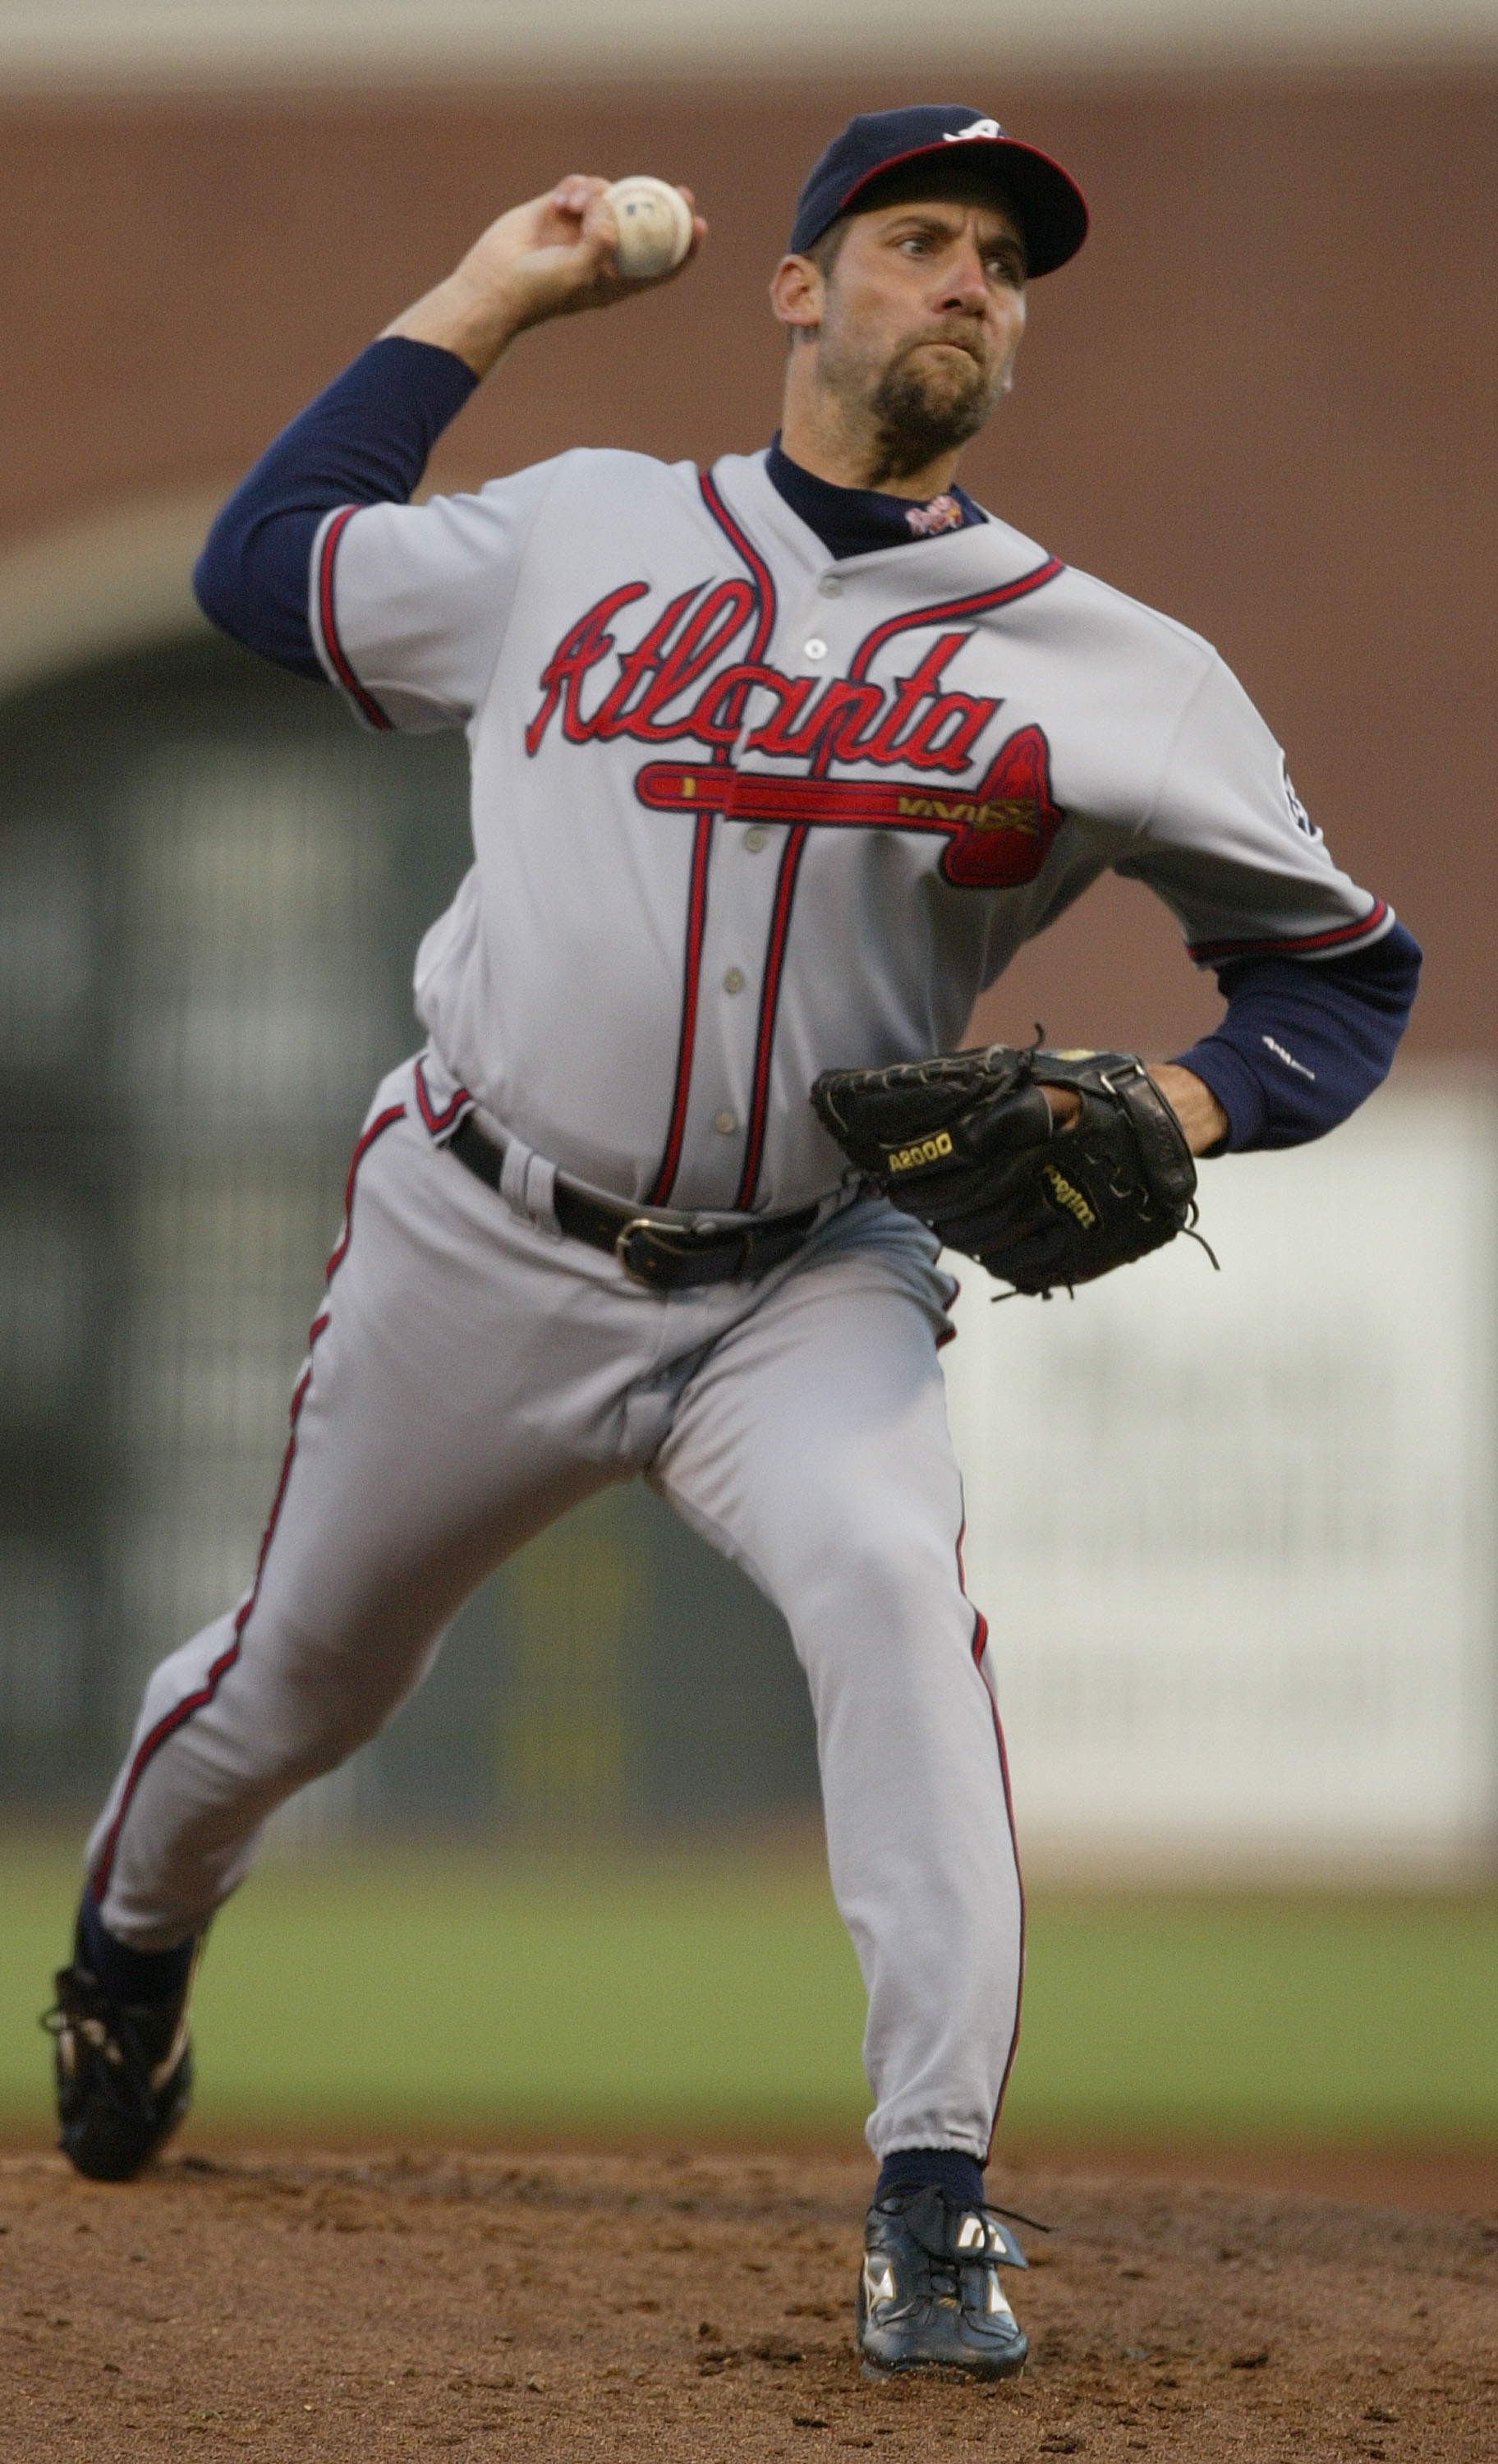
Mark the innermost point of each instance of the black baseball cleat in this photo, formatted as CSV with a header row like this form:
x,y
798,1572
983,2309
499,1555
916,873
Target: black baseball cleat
x,y
123,2072
928,2293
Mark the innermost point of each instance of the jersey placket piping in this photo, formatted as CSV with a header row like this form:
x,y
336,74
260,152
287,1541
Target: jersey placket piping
x,y
769,1002
660,1190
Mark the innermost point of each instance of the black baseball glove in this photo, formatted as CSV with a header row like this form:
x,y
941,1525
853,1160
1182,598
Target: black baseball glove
x,y
966,1142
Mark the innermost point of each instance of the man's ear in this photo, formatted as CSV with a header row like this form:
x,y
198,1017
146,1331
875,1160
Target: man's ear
x,y
797,290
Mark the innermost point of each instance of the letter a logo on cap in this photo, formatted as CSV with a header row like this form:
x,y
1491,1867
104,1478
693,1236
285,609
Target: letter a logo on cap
x,y
1044,199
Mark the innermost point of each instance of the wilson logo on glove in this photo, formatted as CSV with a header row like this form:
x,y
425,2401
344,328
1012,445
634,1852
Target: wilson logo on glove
x,y
1066,1194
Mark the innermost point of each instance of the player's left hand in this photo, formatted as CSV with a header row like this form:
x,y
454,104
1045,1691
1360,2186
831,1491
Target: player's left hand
x,y
553,257
1203,1123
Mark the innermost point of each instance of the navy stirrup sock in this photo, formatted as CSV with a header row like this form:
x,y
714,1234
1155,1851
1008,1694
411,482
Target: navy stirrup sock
x,y
131,1975
949,2169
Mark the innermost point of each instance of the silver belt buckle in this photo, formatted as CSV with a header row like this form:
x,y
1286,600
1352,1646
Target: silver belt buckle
x,y
622,1239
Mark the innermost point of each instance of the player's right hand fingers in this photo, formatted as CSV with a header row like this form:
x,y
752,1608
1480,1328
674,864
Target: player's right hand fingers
x,y
567,209
552,254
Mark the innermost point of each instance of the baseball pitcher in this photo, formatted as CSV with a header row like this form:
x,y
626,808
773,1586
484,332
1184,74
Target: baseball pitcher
x,y
775,766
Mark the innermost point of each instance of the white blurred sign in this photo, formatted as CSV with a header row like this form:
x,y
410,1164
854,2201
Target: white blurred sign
x,y
1234,1533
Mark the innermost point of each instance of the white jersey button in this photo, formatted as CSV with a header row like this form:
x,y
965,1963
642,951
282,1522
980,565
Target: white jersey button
x,y
816,650
734,980
725,1123
830,587
754,839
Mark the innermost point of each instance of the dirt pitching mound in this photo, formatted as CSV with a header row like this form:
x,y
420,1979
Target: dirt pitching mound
x,y
669,2308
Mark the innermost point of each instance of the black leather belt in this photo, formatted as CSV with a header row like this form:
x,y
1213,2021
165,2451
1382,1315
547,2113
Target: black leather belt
x,y
667,1256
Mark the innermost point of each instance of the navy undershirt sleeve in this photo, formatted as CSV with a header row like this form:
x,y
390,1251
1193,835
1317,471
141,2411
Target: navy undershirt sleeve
x,y
1303,1043
365,441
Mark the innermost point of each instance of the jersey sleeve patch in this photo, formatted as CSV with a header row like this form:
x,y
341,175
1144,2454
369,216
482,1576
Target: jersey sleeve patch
x,y
1297,810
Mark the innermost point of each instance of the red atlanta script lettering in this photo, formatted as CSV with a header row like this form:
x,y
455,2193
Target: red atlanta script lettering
x,y
672,687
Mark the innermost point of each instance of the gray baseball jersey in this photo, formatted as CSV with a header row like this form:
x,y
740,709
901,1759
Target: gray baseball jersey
x,y
741,813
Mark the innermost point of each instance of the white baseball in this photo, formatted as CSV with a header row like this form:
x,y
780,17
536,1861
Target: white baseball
x,y
655,226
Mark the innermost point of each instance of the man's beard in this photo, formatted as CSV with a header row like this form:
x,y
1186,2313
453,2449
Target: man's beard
x,y
919,418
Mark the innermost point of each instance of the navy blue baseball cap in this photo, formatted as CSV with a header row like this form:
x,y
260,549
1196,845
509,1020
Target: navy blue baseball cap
x,y
1046,201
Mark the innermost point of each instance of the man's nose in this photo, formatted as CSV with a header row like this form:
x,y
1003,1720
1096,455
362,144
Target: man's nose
x,y
965,285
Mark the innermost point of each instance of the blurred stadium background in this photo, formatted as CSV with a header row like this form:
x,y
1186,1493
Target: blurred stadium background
x,y
1243,1580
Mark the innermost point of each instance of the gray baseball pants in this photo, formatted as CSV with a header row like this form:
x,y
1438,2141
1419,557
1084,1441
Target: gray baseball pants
x,y
470,1376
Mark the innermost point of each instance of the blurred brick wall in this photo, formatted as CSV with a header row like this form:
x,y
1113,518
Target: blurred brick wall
x,y
1265,399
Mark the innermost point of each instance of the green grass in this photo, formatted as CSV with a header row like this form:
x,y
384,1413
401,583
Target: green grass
x,y
626,1992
